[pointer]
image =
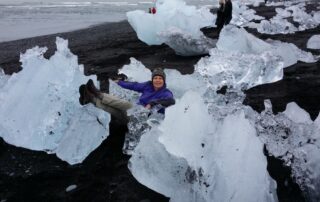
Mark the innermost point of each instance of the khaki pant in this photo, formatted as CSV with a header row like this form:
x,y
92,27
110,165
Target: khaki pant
x,y
115,106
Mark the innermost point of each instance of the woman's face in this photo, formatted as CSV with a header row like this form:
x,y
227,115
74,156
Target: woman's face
x,y
157,82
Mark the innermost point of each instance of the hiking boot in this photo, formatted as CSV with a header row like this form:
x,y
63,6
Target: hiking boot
x,y
92,88
119,77
86,96
122,77
89,96
82,99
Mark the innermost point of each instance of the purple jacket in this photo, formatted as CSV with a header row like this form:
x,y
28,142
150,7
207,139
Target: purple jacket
x,y
162,96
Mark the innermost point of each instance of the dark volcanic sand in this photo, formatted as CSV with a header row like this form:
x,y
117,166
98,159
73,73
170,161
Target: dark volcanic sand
x,y
36,176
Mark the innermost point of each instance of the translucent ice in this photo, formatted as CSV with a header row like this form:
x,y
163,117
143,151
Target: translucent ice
x,y
238,39
296,114
185,44
314,42
207,162
242,15
202,167
276,26
279,23
197,152
293,137
40,108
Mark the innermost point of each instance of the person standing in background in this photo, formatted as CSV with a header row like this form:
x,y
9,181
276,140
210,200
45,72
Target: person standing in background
x,y
224,14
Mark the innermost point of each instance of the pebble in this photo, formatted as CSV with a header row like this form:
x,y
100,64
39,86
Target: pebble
x,y
71,187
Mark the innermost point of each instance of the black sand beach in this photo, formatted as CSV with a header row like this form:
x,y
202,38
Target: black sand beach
x,y
36,176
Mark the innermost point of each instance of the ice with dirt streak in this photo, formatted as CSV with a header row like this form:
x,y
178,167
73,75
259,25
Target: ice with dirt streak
x,y
176,24
40,109
185,44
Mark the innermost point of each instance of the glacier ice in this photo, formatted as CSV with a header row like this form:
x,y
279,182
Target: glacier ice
x,y
248,63
212,160
242,15
314,42
299,14
296,114
178,25
3,78
238,39
294,138
279,24
185,44
276,26
40,108
137,70
316,16
247,43
173,21
282,13
170,13
241,70
290,53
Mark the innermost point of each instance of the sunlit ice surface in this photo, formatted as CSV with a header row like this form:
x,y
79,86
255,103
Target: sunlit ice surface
x,y
40,107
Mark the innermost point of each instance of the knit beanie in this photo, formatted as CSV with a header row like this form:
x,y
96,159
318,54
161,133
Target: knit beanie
x,y
159,72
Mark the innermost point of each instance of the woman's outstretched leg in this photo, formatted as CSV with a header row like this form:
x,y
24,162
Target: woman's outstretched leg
x,y
109,103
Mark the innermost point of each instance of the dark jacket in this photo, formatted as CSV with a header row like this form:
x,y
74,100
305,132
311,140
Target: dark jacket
x,y
228,12
163,96
224,14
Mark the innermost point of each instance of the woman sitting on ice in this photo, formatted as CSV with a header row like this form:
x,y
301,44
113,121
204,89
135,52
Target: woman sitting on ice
x,y
154,93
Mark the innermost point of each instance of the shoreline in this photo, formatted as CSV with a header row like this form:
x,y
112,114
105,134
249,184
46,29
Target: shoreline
x,y
42,30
